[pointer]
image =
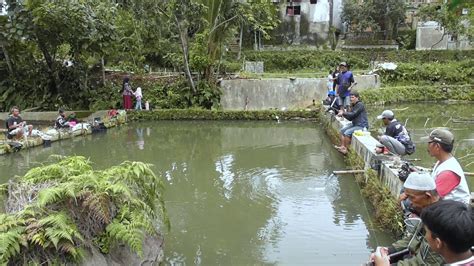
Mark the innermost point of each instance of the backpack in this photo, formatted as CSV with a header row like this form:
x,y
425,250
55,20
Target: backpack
x,y
410,147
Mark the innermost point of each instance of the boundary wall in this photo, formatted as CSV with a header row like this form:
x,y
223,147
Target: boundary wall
x,y
281,93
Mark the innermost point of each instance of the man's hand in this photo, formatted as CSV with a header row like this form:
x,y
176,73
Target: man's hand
x,y
340,112
380,256
402,197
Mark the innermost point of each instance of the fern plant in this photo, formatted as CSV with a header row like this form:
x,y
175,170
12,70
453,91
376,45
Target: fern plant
x,y
76,206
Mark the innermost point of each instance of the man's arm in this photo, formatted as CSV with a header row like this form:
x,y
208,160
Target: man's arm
x,y
446,181
352,81
356,110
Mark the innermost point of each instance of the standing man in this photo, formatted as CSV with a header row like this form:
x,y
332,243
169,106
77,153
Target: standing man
x,y
396,138
358,118
345,82
447,172
16,126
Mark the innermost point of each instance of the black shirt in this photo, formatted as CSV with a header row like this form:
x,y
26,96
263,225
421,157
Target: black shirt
x,y
358,115
394,129
11,121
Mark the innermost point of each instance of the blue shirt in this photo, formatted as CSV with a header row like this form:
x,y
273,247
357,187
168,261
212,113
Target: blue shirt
x,y
344,80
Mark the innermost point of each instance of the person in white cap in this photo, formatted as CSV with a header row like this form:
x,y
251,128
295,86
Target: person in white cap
x,y
396,138
447,172
421,190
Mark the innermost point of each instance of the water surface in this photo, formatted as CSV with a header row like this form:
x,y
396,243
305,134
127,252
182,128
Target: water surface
x,y
239,193
422,118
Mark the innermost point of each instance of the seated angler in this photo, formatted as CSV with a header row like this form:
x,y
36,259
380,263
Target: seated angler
x,y
413,248
61,121
358,118
396,138
16,126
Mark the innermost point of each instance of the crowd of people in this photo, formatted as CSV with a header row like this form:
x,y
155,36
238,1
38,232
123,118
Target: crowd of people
x,y
444,234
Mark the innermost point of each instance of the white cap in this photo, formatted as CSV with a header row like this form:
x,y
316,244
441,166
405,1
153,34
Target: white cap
x,y
420,181
386,114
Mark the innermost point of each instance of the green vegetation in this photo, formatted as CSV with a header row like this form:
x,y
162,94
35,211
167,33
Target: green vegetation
x,y
54,53
201,114
455,72
295,61
56,210
418,93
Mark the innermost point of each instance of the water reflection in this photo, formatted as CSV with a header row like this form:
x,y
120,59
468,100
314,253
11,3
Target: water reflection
x,y
140,140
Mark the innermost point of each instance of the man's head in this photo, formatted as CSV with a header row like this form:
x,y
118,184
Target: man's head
x,y
440,142
387,116
354,97
15,111
343,66
449,226
421,190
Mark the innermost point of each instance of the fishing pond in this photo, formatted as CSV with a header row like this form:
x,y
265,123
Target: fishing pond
x,y
252,193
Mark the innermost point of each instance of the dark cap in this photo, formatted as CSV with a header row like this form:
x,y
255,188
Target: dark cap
x,y
441,136
61,110
355,93
343,64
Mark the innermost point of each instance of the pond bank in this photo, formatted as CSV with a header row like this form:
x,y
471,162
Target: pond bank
x,y
46,136
379,181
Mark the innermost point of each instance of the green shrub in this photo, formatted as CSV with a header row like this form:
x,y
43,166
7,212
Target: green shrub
x,y
275,61
426,73
418,93
201,114
72,206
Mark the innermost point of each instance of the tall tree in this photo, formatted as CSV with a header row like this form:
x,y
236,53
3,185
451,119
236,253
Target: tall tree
x,y
375,15
449,17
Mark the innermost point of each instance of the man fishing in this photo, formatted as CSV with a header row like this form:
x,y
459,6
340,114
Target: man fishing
x,y
413,249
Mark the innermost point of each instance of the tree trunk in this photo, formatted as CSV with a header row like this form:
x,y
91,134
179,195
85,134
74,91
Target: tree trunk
x,y
7,59
103,70
50,64
240,40
331,12
184,48
255,40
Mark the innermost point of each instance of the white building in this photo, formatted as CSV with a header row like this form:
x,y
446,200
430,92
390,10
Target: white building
x,y
307,21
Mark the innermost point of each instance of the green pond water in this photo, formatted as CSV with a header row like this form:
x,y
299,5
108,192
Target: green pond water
x,y
238,193
253,193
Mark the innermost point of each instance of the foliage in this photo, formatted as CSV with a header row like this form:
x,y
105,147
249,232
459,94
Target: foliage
x,y
418,93
74,205
448,16
200,114
421,73
48,48
406,39
275,61
374,15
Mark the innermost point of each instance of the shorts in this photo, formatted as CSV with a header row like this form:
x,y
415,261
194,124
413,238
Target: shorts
x,y
17,130
349,129
344,101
